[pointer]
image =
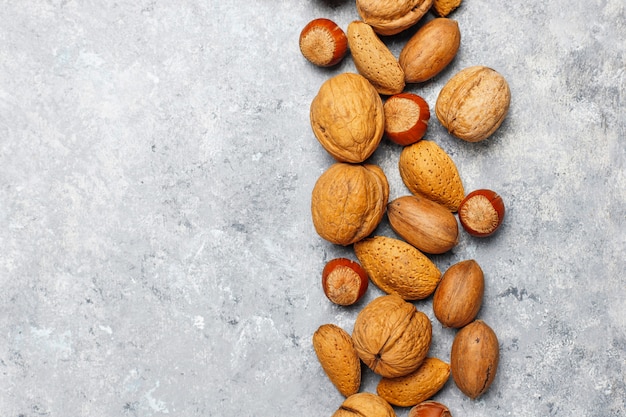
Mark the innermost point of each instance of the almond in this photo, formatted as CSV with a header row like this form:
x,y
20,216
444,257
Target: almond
x,y
474,358
418,386
423,223
373,60
336,353
459,295
397,267
427,170
430,50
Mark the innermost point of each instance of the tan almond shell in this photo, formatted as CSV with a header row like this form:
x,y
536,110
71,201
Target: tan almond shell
x,y
347,117
430,50
418,386
473,103
365,404
349,201
444,7
391,336
427,170
373,60
459,295
396,267
423,223
336,353
392,17
474,358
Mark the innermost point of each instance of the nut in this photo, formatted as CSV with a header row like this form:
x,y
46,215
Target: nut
x,y
430,50
374,60
348,202
335,351
459,295
344,281
481,213
397,267
391,336
323,43
474,358
347,117
418,386
429,409
444,7
425,224
406,118
364,404
389,18
427,170
473,103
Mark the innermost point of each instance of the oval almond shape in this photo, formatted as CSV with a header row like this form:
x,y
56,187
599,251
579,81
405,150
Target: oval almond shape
x,y
373,60
427,170
430,50
396,267
474,358
473,103
336,353
459,295
423,223
418,386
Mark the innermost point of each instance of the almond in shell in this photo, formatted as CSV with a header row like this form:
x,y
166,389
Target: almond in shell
x,y
427,170
373,60
418,386
336,353
423,223
397,267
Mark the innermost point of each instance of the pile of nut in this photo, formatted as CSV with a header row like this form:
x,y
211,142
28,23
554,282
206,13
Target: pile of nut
x,y
350,115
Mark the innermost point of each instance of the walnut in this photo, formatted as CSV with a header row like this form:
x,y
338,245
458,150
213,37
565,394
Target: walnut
x,y
347,117
391,17
391,336
349,201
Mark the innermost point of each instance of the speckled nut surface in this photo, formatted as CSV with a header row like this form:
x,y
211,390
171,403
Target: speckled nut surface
x,y
374,60
473,103
427,170
347,117
365,404
391,17
348,202
337,356
391,336
430,50
397,267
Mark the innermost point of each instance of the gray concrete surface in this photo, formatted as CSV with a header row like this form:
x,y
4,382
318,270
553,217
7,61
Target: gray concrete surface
x,y
157,253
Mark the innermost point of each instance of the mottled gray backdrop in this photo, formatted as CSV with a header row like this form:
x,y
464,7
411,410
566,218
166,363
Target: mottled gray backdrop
x,y
157,255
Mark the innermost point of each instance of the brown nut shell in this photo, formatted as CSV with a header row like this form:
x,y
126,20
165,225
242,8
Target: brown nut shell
x,y
391,17
347,117
429,409
459,295
397,267
336,353
391,336
425,224
430,50
365,404
474,358
348,202
427,170
473,103
374,60
418,386
444,7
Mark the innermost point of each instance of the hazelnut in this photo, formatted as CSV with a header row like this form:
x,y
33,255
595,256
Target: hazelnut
x,y
406,118
481,212
323,42
344,281
429,409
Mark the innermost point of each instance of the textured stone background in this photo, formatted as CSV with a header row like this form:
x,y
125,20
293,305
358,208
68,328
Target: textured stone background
x,y
157,254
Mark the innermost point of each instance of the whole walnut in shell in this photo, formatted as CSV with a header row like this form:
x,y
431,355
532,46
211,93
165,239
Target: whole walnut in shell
x,y
365,404
391,336
391,17
349,201
347,117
